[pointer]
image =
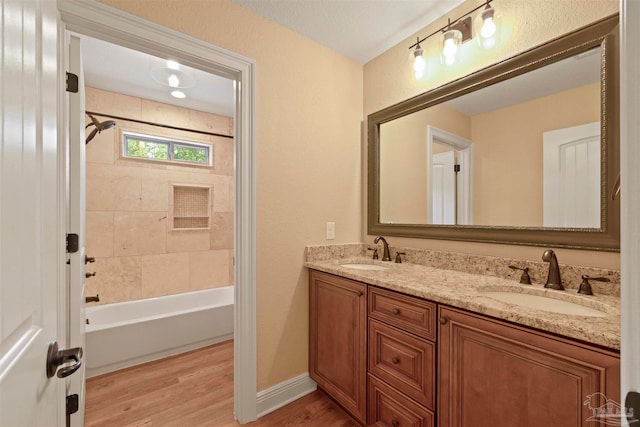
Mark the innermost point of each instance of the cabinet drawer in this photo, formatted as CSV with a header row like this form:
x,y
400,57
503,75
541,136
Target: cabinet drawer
x,y
388,408
406,312
403,361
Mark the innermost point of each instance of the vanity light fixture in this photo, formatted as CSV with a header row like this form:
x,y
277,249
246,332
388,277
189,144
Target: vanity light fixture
x,y
455,33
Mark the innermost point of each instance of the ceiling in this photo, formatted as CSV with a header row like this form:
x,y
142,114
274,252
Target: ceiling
x,y
358,29
119,69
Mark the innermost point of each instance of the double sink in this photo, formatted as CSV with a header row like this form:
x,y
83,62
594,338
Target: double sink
x,y
529,297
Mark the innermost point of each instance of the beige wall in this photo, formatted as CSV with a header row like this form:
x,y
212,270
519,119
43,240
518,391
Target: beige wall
x,y
308,115
507,153
388,79
129,205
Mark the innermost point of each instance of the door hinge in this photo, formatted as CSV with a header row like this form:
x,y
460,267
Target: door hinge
x,y
72,407
72,404
73,243
72,82
456,168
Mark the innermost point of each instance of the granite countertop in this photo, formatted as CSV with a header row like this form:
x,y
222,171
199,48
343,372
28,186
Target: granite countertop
x,y
468,291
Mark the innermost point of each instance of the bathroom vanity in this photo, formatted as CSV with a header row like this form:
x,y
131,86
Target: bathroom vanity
x,y
409,345
459,342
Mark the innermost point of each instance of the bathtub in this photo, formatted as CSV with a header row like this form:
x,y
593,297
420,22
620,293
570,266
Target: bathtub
x,y
128,333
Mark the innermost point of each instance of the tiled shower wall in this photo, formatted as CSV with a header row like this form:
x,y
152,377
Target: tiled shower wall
x,y
138,255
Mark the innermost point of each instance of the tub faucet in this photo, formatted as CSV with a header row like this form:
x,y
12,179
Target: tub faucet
x,y
386,256
553,278
92,299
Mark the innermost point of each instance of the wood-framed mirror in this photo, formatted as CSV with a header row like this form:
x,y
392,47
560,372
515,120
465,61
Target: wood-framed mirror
x,y
523,152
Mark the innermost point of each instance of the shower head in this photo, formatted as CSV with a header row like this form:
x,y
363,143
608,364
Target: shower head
x,y
99,127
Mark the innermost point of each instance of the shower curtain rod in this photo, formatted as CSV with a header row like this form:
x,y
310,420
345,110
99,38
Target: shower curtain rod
x,y
159,124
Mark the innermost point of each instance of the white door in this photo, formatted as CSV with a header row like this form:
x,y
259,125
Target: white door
x,y
76,225
443,188
571,177
454,205
31,224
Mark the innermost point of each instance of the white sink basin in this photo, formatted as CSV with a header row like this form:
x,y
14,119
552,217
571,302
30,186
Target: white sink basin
x,y
545,303
364,267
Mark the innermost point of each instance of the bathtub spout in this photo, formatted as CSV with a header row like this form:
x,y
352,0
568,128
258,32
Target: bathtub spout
x,y
92,299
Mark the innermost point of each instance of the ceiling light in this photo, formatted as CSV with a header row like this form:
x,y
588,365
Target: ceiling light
x,y
171,74
174,81
178,94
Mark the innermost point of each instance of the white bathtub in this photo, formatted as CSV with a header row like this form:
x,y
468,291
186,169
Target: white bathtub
x,y
125,334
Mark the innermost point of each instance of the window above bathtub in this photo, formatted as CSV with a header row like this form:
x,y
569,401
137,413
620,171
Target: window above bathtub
x,y
156,148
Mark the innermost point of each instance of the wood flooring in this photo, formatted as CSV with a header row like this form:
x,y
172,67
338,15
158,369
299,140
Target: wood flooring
x,y
191,390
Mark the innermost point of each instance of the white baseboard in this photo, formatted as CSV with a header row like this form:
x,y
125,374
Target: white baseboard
x,y
281,394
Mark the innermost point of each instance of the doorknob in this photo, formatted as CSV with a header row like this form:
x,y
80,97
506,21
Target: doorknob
x,y
632,406
57,357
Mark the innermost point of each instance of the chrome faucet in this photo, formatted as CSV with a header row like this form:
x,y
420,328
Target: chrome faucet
x,y
386,256
553,278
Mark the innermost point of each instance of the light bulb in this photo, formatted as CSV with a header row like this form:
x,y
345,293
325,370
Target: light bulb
x,y
419,64
178,94
450,46
173,80
173,65
488,28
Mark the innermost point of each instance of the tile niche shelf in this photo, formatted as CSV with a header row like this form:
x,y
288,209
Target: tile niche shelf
x,y
191,207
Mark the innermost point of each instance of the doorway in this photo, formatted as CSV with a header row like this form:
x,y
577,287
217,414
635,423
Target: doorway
x,y
450,178
105,23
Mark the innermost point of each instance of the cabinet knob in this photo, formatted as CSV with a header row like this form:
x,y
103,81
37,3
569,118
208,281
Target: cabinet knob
x,y
360,293
396,311
395,423
443,320
395,360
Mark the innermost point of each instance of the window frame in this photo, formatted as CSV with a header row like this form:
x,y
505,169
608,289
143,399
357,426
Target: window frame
x,y
170,143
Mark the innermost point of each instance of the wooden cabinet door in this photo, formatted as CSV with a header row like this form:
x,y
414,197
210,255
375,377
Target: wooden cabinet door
x,y
337,340
492,373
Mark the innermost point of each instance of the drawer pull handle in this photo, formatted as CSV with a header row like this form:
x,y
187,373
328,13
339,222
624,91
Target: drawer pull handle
x,y
395,423
395,360
396,311
443,320
360,293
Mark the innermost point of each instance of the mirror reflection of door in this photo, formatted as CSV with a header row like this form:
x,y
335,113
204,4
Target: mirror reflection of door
x,y
449,186
443,186
572,176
